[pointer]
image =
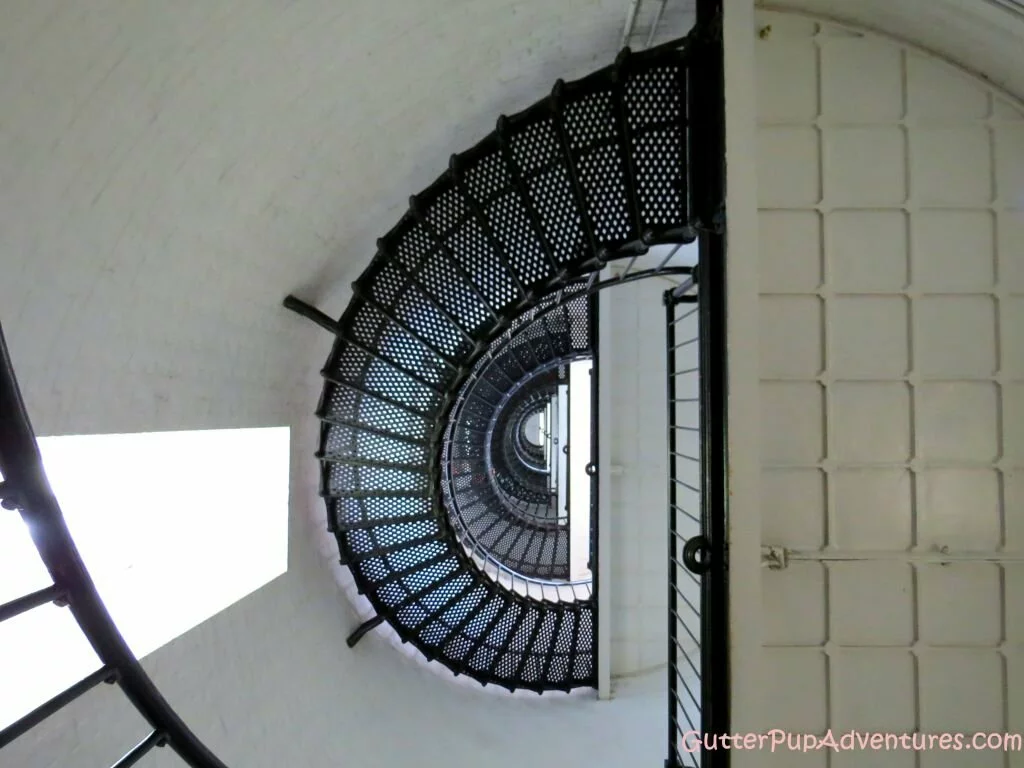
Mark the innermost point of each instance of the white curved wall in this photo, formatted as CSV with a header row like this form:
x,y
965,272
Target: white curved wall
x,y
985,36
891,258
168,172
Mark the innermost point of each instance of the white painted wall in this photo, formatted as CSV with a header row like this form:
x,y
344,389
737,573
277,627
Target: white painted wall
x,y
747,711
638,441
891,196
168,172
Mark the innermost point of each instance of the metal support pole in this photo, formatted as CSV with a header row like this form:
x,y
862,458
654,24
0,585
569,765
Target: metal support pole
x,y
54,705
673,564
708,105
52,594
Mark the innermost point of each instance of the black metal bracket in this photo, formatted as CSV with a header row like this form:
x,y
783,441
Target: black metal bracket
x,y
308,311
364,629
697,555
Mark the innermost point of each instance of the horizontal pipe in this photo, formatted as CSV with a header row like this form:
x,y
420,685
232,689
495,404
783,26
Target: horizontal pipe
x,y
938,556
16,607
54,705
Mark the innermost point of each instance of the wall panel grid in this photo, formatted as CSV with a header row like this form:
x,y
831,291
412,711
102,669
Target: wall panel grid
x,y
891,197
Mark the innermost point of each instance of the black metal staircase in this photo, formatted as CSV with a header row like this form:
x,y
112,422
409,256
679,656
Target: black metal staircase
x,y
455,329
498,495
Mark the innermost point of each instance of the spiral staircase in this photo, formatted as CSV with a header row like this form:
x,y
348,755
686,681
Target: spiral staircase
x,y
459,331
474,301
496,484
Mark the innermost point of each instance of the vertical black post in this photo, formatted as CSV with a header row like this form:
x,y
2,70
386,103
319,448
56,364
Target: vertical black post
x,y
592,467
567,447
595,437
673,563
707,110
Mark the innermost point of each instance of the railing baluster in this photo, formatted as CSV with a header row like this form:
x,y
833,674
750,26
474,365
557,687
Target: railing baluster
x,y
455,166
16,607
673,718
155,739
411,274
619,77
668,258
39,714
557,103
502,131
506,644
376,355
478,609
364,392
359,292
443,248
573,646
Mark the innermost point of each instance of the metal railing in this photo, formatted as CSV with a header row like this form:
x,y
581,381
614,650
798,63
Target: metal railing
x,y
25,488
698,642
522,583
687,547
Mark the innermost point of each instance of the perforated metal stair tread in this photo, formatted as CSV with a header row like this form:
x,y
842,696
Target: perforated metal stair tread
x,y
593,172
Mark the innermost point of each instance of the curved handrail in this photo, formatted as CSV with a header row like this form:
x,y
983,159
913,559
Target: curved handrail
x,y
26,488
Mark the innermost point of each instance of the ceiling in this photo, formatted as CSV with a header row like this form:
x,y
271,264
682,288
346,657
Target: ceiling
x,y
984,36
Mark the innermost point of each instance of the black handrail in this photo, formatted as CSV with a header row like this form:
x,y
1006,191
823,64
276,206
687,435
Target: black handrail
x,y
708,100
26,488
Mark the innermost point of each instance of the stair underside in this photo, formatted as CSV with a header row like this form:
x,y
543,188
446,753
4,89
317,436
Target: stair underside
x,y
593,172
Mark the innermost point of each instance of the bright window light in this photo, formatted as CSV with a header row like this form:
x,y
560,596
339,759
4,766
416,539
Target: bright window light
x,y
579,457
174,527
561,463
